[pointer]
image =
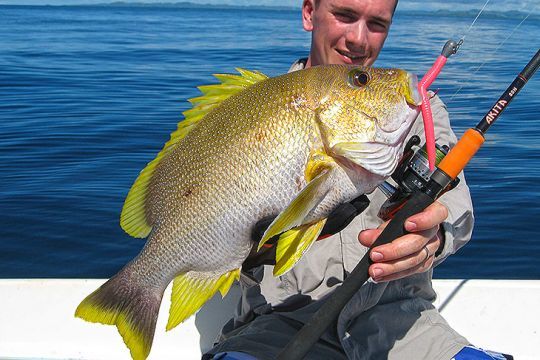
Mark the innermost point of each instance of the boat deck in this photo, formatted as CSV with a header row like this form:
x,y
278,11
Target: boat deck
x,y
36,320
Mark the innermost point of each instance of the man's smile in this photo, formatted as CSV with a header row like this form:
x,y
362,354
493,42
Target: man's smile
x,y
351,58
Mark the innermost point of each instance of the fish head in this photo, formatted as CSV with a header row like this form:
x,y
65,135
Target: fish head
x,y
365,115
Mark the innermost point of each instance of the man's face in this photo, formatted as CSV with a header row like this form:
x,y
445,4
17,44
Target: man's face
x,y
347,31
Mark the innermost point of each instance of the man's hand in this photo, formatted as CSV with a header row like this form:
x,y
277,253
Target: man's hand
x,y
410,254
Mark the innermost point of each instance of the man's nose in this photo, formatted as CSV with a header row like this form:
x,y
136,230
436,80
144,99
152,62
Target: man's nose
x,y
357,36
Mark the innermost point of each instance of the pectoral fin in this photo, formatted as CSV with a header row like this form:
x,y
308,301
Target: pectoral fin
x,y
293,244
320,172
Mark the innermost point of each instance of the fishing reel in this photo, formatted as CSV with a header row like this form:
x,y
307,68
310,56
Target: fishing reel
x,y
411,174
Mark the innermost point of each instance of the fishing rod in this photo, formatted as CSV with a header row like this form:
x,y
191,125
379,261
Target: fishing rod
x,y
446,172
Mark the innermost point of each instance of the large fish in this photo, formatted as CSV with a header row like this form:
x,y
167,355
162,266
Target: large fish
x,y
252,147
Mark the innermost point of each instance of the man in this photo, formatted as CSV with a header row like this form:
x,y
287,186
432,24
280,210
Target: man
x,y
392,317
353,32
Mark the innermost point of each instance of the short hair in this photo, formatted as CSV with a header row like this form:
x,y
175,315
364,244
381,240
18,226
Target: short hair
x,y
316,3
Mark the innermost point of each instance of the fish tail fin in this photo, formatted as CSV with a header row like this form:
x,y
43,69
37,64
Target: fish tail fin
x,y
133,308
192,289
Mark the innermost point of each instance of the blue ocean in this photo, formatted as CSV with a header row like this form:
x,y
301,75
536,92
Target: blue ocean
x,y
89,94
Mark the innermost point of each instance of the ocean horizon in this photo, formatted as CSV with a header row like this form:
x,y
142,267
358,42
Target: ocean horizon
x,y
459,8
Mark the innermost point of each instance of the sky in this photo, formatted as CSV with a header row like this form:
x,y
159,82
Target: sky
x,y
461,5
290,3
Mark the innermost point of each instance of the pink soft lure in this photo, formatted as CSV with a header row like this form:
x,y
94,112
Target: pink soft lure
x,y
429,130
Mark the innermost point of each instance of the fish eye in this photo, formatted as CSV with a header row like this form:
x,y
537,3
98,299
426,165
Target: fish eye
x,y
359,78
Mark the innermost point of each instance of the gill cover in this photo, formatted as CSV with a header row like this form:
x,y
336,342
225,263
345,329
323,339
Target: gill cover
x,y
370,118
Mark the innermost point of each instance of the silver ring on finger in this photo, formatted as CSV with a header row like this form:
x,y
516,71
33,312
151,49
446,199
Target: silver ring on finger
x,y
427,253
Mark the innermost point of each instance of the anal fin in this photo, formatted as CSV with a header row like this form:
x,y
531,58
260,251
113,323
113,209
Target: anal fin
x,y
193,289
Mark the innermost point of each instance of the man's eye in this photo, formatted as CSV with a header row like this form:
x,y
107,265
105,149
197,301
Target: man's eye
x,y
345,17
378,26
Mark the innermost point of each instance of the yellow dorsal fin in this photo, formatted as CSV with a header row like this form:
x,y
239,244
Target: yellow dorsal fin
x,y
191,290
292,244
134,219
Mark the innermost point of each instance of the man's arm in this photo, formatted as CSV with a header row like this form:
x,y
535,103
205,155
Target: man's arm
x,y
437,232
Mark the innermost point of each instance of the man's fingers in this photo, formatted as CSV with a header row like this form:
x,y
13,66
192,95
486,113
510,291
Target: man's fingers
x,y
408,254
425,224
422,267
368,237
420,261
404,246
432,216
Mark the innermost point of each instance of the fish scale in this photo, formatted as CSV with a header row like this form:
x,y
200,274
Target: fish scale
x,y
245,152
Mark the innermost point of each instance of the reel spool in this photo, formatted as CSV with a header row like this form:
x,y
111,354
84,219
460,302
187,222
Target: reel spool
x,y
411,174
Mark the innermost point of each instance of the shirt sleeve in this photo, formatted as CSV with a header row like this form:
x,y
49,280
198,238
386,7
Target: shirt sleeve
x,y
458,227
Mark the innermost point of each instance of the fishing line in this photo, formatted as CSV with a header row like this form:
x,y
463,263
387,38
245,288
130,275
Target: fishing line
x,y
474,21
493,52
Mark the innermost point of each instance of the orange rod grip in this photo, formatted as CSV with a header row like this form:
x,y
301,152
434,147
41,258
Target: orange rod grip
x,y
462,153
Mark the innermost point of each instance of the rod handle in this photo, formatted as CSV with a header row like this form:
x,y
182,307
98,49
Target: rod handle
x,y
460,155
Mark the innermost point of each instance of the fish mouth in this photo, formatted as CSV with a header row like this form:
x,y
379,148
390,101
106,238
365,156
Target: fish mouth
x,y
412,95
